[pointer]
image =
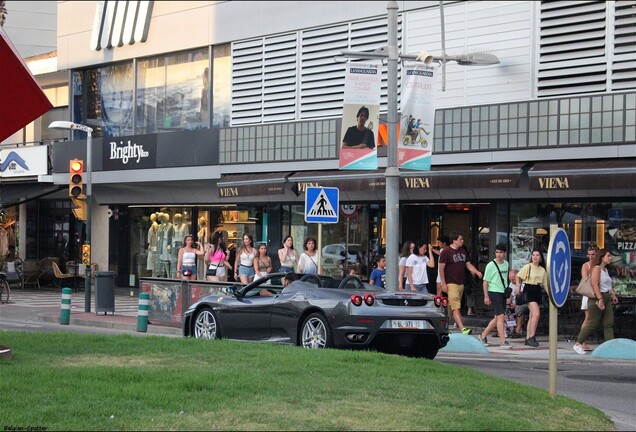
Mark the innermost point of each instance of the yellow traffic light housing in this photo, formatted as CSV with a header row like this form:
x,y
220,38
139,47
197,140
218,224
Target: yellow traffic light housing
x,y
86,254
79,209
76,179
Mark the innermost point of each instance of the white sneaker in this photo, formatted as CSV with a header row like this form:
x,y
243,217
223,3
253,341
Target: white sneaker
x,y
505,345
483,340
579,349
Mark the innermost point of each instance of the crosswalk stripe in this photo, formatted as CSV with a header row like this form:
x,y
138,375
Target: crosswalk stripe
x,y
123,304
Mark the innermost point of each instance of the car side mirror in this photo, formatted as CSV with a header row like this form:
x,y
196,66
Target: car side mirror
x,y
342,254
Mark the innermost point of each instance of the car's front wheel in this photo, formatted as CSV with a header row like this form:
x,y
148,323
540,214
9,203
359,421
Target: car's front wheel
x,y
315,332
206,326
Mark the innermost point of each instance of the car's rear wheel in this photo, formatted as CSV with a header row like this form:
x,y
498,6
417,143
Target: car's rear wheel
x,y
206,326
315,332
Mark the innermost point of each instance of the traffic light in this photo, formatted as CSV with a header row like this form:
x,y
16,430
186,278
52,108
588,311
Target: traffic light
x,y
86,254
76,179
79,209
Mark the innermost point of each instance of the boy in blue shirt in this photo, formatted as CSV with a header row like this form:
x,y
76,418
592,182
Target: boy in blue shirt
x,y
378,275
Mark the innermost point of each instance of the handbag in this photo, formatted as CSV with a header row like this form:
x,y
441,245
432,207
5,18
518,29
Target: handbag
x,y
585,288
522,298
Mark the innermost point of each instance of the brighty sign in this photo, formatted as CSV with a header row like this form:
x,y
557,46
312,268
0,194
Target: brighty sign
x,y
360,115
415,146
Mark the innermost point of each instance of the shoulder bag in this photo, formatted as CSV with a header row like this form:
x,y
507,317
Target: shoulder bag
x,y
585,287
507,289
522,298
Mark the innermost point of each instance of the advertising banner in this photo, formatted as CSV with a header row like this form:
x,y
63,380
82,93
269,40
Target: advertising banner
x,y
415,146
360,116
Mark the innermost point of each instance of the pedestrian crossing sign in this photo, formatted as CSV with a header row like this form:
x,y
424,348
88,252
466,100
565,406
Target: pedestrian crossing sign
x,y
322,205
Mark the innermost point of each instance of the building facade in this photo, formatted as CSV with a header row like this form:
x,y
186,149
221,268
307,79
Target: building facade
x,y
218,115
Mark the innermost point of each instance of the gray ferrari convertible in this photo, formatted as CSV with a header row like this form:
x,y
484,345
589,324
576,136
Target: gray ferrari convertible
x,y
322,312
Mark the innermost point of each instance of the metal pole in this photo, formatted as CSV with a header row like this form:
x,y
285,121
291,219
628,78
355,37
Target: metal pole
x,y
392,173
89,196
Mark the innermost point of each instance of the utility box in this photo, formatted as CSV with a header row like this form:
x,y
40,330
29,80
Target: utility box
x,y
105,292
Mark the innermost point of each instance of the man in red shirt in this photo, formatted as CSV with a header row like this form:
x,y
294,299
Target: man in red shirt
x,y
453,261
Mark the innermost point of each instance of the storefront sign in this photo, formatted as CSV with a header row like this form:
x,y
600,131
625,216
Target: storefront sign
x,y
130,152
23,161
251,190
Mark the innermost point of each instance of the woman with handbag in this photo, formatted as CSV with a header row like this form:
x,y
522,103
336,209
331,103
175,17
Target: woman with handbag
x,y
216,259
586,270
187,258
535,279
601,308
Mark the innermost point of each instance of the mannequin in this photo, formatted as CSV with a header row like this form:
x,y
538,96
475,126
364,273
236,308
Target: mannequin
x,y
203,238
152,244
180,230
166,232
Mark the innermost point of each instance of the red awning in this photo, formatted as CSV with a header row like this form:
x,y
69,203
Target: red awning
x,y
21,98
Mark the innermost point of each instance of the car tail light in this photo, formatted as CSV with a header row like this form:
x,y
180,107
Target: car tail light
x,y
437,300
444,301
356,299
369,299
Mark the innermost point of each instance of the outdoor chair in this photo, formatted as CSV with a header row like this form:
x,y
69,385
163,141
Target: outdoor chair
x,y
61,277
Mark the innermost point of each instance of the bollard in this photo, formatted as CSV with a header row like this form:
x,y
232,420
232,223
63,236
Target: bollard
x,y
65,311
142,314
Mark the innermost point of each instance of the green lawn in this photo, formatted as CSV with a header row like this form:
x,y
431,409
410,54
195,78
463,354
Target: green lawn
x,y
65,381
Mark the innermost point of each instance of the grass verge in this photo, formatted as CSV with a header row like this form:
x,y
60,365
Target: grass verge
x,y
66,381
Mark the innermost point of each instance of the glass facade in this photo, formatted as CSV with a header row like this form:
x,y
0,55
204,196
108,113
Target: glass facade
x,y
605,225
172,93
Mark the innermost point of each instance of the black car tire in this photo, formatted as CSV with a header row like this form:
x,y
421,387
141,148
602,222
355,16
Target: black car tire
x,y
424,351
315,332
206,325
351,280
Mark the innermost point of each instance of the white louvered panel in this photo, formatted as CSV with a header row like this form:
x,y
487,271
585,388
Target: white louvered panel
x,y
589,88
623,75
597,53
279,71
320,72
573,37
583,69
247,71
572,48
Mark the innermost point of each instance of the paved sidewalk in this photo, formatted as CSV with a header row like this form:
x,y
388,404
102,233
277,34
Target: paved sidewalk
x,y
46,307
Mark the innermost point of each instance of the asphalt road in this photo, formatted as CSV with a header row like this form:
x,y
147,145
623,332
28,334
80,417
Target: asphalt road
x,y
606,386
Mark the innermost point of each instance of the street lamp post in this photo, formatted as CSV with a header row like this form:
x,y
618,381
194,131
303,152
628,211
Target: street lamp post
x,y
392,173
67,125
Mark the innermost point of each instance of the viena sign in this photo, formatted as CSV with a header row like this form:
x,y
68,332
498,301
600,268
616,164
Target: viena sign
x,y
129,152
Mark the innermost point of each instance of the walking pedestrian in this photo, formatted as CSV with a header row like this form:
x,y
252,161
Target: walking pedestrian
x,y
586,269
217,259
187,258
416,267
262,263
407,250
287,256
307,263
601,308
494,287
443,243
452,264
535,279
244,264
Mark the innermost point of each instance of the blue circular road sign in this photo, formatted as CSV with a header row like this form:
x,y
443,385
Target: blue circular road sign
x,y
559,267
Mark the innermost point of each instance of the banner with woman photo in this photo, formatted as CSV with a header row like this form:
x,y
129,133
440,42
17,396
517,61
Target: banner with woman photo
x,y
360,115
415,145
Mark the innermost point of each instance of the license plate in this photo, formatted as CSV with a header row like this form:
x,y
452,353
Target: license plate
x,y
407,324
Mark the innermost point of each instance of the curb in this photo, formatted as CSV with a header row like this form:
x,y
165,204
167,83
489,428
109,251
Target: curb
x,y
81,321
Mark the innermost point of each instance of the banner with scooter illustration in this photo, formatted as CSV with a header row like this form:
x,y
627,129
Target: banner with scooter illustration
x,y
360,115
415,145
